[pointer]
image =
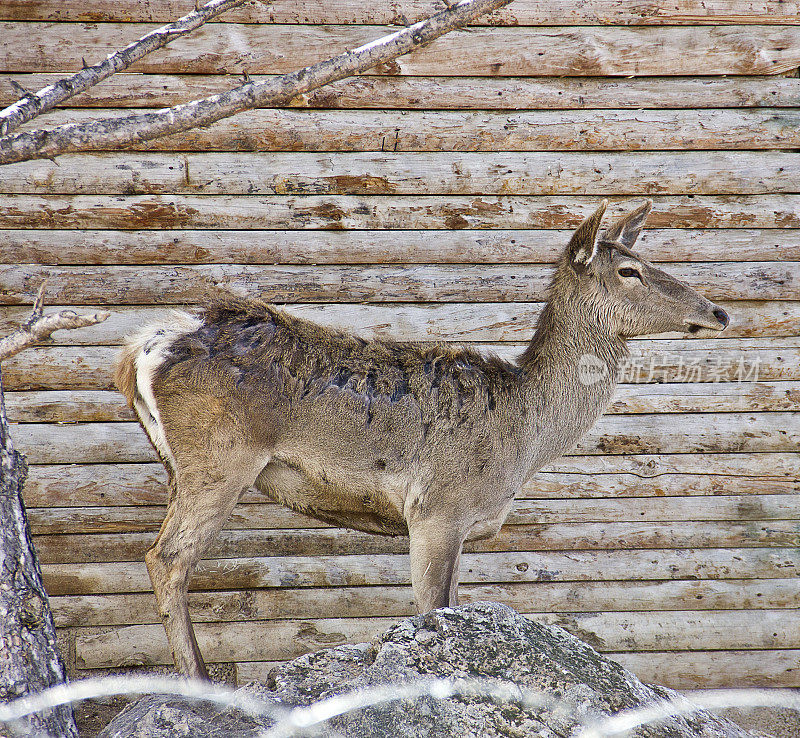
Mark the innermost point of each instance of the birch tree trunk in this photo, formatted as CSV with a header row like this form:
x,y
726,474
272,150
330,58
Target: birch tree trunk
x,y
32,104
116,133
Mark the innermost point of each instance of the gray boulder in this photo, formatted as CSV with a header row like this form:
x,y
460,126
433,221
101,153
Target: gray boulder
x,y
478,641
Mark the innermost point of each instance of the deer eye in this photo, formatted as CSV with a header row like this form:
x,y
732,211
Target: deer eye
x,y
629,272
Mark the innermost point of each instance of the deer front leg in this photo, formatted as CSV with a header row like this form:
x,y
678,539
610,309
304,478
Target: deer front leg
x,y
196,513
435,558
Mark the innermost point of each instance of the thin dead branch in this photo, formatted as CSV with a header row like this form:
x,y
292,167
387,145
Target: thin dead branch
x,y
116,133
32,104
38,327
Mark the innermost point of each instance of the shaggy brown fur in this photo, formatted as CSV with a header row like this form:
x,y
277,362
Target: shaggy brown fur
x,y
388,437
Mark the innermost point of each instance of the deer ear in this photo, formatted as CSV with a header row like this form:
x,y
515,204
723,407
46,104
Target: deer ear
x,y
583,244
627,229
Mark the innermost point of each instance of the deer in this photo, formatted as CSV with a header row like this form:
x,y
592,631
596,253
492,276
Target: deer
x,y
425,440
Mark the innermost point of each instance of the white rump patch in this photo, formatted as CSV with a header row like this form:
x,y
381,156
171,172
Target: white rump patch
x,y
150,346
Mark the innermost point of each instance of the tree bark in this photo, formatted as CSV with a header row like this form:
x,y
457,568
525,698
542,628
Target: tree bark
x,y
29,658
120,132
33,104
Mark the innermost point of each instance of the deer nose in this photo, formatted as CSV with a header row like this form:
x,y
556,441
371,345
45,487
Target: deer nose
x,y
722,317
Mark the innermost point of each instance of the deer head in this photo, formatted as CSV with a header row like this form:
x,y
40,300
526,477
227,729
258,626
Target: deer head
x,y
630,296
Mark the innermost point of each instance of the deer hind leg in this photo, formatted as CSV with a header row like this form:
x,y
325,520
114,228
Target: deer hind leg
x,y
435,558
199,507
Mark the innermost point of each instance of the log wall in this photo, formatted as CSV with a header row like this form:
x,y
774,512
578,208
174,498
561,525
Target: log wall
x,y
428,199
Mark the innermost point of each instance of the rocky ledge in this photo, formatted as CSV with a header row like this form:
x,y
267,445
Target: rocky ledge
x,y
478,641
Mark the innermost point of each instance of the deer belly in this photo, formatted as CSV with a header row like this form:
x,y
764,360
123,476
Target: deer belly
x,y
357,505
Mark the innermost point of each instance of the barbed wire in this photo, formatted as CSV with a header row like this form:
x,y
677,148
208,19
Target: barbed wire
x,y
309,720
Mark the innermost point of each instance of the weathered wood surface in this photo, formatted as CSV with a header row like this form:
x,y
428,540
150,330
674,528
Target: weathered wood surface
x,y
110,485
655,360
410,173
88,406
371,212
93,443
283,639
403,131
78,548
230,48
491,246
265,518
686,670
397,601
619,533
523,12
458,322
392,569
462,93
153,285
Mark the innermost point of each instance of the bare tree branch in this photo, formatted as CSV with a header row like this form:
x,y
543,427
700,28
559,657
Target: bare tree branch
x,y
37,327
34,103
114,133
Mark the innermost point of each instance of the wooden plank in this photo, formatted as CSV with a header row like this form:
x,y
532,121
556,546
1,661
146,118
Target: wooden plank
x,y
74,485
377,212
71,548
392,569
719,397
282,639
87,406
231,48
266,516
649,467
654,360
523,12
708,669
434,173
422,322
424,93
344,602
153,285
438,130
93,443
495,246
67,406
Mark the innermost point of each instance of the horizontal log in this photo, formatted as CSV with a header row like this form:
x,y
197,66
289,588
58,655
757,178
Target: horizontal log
x,y
229,48
73,548
138,645
718,397
649,467
422,322
87,406
438,130
705,669
93,443
525,512
423,93
495,246
373,212
654,360
153,285
434,173
346,602
476,568
523,12
108,485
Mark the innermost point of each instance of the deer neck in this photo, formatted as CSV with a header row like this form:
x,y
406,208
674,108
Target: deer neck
x,y
569,373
